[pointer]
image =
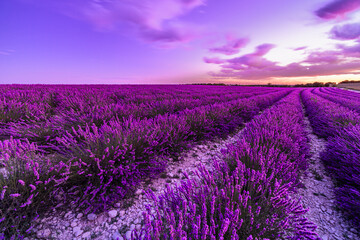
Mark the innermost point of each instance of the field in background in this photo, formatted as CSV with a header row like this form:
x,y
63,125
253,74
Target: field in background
x,y
355,86
88,148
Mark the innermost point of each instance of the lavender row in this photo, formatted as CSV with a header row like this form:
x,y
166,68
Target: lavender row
x,y
81,98
247,195
134,148
43,129
341,93
94,167
349,103
39,114
123,93
326,117
341,127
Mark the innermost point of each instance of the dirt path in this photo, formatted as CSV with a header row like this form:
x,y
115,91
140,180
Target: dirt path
x,y
122,219
318,195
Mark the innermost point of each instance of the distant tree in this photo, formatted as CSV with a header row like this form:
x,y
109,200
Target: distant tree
x,y
318,84
216,84
330,84
351,81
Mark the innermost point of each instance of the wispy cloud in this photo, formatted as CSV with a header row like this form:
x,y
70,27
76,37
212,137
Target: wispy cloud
x,y
351,51
152,20
322,57
214,60
247,61
293,70
232,47
252,60
346,31
254,66
300,48
337,9
6,52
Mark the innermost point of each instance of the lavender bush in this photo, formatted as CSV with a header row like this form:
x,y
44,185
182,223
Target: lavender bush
x,y
247,195
80,153
341,93
353,103
326,117
343,150
124,153
26,184
55,110
342,159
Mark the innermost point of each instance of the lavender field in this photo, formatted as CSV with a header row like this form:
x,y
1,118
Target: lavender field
x,y
76,159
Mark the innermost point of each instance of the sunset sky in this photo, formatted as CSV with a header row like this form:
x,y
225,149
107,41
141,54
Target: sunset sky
x,y
179,41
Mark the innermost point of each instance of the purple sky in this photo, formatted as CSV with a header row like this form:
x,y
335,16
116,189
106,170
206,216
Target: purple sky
x,y
178,41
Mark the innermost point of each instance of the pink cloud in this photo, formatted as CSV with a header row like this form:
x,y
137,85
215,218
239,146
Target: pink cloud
x,y
300,48
292,70
346,32
168,36
322,57
151,20
192,3
214,60
6,52
337,8
351,51
252,60
232,47
255,66
263,49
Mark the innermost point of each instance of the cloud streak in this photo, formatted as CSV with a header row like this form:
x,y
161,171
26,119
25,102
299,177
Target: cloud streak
x,y
214,60
232,47
322,57
6,52
337,9
252,60
152,20
346,32
254,66
293,70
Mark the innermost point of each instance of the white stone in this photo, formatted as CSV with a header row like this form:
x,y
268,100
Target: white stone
x,y
128,235
77,231
112,213
39,234
74,224
46,233
79,215
67,214
117,236
132,227
91,217
86,235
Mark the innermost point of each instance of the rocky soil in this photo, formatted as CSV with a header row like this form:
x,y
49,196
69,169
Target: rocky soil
x,y
116,224
120,220
318,196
